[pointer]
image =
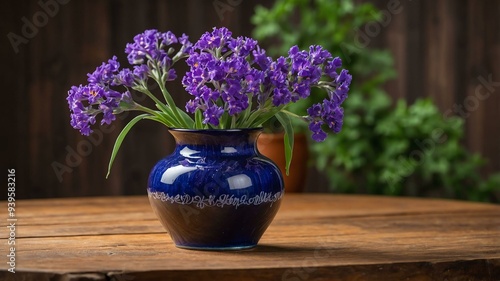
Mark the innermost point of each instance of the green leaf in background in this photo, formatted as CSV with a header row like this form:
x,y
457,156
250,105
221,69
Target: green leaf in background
x,y
386,146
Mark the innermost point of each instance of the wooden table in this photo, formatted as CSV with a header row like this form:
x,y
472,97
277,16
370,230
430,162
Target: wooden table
x,y
313,237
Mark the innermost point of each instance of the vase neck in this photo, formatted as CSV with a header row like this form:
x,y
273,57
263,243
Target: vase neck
x,y
219,142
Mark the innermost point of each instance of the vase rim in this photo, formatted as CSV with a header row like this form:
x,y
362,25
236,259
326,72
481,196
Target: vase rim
x,y
253,129
225,137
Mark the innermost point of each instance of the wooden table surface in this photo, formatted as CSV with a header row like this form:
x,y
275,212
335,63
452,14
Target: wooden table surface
x,y
313,237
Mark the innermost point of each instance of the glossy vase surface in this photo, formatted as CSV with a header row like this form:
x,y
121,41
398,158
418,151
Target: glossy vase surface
x,y
215,191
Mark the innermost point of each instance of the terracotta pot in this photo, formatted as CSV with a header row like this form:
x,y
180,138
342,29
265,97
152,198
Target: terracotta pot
x,y
272,146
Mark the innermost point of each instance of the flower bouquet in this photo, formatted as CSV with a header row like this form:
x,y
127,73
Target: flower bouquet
x,y
234,88
232,82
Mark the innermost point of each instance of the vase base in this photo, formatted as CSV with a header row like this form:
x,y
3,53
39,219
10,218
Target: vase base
x,y
229,248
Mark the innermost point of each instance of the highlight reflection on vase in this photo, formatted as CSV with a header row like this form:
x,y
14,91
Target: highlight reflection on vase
x,y
216,191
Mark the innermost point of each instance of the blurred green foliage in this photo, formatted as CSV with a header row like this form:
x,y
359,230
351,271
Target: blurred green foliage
x,y
383,148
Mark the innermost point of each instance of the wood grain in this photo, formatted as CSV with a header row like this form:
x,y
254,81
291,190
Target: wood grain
x,y
314,237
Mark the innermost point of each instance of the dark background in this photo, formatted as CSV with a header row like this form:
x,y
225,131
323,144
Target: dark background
x,y
440,50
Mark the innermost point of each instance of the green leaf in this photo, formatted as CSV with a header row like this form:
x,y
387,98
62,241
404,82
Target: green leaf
x,y
121,136
285,121
198,119
187,119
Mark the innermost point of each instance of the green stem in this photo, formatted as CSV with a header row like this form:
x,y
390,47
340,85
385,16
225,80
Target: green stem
x,y
121,136
252,117
145,91
161,118
224,121
233,122
292,114
246,113
198,119
261,115
171,103
159,104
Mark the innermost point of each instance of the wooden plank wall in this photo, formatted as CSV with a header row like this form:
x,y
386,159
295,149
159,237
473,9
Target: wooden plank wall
x,y
440,48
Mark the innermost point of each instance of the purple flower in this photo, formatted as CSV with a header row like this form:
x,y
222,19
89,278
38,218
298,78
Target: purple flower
x,y
214,71
294,50
237,104
152,48
260,57
144,44
281,96
125,77
165,61
167,38
186,44
299,59
338,95
141,72
278,73
318,133
335,119
242,46
170,75
86,102
328,108
234,67
344,77
232,95
105,73
193,105
331,67
332,115
127,98
329,113
208,94
318,55
303,89
107,112
253,81
306,69
212,115
215,39
315,110
192,80
343,81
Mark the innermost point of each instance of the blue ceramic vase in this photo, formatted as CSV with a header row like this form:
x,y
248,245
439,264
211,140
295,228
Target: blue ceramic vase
x,y
215,191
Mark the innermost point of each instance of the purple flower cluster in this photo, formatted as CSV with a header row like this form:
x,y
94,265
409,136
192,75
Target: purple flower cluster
x,y
233,83
149,56
226,74
85,102
220,78
154,47
330,112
